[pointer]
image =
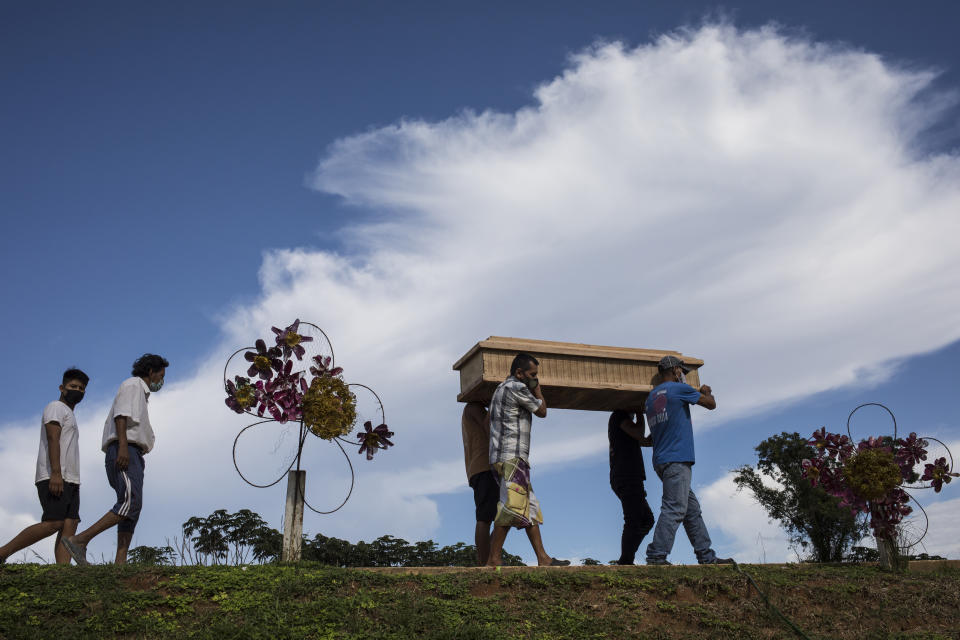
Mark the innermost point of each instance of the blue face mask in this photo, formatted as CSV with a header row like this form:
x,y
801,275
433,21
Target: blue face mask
x,y
156,386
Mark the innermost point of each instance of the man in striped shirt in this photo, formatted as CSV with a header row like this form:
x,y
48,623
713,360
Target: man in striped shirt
x,y
514,403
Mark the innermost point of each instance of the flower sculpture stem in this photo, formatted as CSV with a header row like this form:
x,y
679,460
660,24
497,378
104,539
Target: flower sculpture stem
x,y
293,516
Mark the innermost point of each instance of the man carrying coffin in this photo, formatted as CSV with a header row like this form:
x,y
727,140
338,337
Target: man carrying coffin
x,y
627,476
475,426
668,417
515,401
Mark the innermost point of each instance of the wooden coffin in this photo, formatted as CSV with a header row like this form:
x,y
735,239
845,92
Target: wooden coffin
x,y
573,376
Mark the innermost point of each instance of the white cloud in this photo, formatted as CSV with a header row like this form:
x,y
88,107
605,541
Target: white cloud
x,y
741,196
942,537
736,195
750,534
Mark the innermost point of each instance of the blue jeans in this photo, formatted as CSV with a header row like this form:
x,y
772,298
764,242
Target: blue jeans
x,y
679,505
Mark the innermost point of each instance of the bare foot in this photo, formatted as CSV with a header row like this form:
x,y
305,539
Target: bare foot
x,y
553,562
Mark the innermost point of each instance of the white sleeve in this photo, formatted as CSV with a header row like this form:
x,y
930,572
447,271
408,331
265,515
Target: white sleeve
x,y
129,403
54,412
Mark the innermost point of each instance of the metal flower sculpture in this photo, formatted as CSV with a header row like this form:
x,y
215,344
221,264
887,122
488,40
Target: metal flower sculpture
x,y
873,477
295,381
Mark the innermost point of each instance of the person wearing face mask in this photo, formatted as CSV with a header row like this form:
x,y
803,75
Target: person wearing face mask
x,y
515,401
58,471
668,417
127,438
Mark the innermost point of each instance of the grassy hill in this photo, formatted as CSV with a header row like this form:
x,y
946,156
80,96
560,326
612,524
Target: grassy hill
x,y
310,601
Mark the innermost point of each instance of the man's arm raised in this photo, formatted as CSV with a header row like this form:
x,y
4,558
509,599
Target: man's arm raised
x,y
538,394
635,430
706,398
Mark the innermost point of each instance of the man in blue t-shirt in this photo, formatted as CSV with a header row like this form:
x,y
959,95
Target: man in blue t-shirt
x,y
668,417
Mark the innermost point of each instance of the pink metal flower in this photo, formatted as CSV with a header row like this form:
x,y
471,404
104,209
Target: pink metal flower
x,y
938,474
374,438
290,341
263,361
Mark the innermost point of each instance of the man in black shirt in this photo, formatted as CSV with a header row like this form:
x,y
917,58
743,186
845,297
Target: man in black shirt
x,y
626,479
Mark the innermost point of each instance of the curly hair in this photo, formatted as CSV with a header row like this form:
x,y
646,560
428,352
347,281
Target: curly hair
x,y
147,364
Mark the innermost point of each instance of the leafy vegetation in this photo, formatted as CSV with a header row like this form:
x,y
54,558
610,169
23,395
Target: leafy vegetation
x,y
244,537
323,603
813,519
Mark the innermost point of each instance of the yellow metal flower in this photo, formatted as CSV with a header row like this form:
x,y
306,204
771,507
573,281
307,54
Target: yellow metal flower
x,y
872,473
246,395
262,363
329,408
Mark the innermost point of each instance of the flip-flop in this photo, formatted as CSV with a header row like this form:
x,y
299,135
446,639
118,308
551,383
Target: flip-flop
x,y
559,563
77,551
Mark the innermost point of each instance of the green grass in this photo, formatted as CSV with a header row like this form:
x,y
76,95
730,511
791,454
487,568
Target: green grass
x,y
309,601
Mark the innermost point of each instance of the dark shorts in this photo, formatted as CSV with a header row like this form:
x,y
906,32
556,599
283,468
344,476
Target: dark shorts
x,y
128,484
486,492
66,506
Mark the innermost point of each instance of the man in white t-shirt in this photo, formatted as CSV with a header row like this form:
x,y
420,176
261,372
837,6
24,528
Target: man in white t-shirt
x,y
127,437
58,471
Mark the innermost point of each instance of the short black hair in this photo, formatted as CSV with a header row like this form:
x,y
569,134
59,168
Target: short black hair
x,y
75,374
523,361
148,363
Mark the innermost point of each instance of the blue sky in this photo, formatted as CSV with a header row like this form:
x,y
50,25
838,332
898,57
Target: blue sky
x,y
176,178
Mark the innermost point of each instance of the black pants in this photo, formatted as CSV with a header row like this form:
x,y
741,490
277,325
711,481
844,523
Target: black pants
x,y
637,520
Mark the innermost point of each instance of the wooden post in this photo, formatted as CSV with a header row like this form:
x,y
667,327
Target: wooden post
x,y
890,557
293,517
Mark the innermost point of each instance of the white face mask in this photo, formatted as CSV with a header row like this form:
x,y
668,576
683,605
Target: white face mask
x,y
682,379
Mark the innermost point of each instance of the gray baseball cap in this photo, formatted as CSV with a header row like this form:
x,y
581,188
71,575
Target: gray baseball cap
x,y
669,362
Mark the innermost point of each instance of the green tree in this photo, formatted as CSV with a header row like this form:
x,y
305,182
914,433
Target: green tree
x,y
232,538
390,552
813,520
208,537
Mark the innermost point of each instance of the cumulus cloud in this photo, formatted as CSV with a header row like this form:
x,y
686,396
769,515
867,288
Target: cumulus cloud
x,y
942,538
752,199
737,195
743,527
